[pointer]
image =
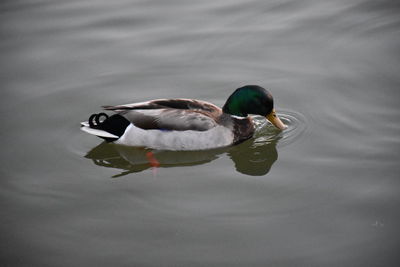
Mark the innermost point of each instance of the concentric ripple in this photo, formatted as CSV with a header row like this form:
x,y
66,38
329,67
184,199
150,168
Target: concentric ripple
x,y
267,133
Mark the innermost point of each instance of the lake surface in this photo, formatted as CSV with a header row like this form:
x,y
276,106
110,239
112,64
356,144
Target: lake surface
x,y
326,192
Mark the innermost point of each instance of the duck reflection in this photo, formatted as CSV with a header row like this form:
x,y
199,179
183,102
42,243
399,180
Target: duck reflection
x,y
253,157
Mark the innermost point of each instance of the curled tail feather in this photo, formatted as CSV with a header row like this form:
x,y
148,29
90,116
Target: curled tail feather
x,y
107,127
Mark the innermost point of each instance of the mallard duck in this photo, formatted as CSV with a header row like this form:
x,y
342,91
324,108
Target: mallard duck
x,y
185,124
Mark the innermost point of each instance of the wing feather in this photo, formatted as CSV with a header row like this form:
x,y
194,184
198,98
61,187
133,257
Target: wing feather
x,y
170,114
179,103
169,119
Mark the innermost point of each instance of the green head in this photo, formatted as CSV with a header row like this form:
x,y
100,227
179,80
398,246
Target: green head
x,y
252,99
249,99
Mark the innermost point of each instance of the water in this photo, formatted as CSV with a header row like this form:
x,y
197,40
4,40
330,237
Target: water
x,y
323,193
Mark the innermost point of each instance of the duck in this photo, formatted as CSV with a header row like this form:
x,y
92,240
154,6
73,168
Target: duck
x,y
185,124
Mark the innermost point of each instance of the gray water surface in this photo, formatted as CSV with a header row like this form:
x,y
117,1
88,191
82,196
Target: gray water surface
x,y
326,192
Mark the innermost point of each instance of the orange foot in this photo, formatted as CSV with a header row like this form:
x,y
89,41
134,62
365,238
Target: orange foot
x,y
152,159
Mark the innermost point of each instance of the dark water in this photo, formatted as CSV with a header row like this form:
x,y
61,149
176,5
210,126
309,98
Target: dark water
x,y
324,193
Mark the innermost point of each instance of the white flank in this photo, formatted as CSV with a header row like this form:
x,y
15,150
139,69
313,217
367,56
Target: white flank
x,y
97,132
218,136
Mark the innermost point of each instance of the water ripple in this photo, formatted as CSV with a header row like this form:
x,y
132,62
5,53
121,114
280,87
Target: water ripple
x,y
267,133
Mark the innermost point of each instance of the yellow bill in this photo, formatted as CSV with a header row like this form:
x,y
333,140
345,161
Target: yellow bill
x,y
274,119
